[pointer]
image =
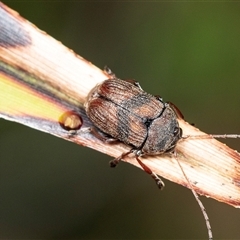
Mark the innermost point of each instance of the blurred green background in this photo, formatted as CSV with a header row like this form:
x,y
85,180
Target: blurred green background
x,y
186,52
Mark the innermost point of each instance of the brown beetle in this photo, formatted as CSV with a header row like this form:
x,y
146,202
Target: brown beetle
x,y
122,111
134,117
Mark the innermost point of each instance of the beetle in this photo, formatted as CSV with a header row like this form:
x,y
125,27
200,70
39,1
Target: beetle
x,y
143,121
121,110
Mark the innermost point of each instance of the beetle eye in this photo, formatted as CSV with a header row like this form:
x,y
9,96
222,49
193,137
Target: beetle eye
x,y
176,131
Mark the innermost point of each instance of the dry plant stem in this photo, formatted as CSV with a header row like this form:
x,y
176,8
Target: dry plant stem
x,y
40,79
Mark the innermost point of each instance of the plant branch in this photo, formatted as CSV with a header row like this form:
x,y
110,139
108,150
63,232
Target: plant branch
x,y
40,80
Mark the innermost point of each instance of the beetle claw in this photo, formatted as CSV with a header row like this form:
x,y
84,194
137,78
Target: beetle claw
x,y
158,181
108,71
113,163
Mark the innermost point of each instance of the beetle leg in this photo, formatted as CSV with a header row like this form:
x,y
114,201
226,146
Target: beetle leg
x,y
176,110
115,161
108,71
102,136
158,180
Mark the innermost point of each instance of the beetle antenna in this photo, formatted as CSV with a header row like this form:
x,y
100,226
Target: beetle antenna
x,y
225,135
204,212
212,136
